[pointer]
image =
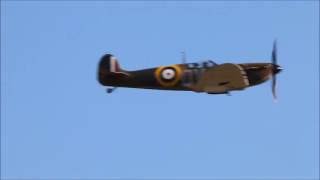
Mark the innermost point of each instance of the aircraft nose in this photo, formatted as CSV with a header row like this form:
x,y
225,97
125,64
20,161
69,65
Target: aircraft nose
x,y
277,68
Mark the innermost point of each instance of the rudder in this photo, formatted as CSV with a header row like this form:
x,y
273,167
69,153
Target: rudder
x,y
109,64
109,68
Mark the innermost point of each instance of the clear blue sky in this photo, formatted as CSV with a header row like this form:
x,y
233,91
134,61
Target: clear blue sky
x,y
58,122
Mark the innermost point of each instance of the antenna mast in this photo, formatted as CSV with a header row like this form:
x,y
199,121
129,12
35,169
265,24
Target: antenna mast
x,y
184,59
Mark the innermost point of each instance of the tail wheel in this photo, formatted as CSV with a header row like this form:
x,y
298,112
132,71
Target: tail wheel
x,y
168,75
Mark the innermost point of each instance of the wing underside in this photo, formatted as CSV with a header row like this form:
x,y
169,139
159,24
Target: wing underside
x,y
222,78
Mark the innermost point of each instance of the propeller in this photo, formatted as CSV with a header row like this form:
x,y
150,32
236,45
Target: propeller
x,y
275,69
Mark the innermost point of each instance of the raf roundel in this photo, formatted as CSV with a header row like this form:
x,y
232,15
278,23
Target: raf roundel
x,y
168,75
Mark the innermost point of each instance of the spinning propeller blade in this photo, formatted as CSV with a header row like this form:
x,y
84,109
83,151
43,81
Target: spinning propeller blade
x,y
275,69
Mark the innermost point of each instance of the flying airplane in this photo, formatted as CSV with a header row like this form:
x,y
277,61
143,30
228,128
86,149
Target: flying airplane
x,y
206,76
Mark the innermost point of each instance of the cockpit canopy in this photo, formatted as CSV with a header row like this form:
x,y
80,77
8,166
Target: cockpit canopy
x,y
203,64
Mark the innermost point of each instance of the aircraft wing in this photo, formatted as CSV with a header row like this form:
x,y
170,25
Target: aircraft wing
x,y
222,78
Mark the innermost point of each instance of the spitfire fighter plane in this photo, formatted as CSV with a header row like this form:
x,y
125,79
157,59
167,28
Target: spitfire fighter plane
x,y
207,76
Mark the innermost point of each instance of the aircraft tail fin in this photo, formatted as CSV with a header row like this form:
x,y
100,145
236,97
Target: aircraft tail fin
x,y
109,64
110,68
